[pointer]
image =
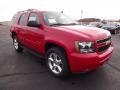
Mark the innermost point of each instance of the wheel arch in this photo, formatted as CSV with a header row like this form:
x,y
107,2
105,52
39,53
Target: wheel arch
x,y
49,45
13,34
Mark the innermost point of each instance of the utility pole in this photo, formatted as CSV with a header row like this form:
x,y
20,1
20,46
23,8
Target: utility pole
x,y
81,15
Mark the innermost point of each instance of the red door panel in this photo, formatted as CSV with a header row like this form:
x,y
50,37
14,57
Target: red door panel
x,y
35,39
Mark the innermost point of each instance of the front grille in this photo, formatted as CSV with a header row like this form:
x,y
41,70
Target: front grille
x,y
103,48
103,40
106,44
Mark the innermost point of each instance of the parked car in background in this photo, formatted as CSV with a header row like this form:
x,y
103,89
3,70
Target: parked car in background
x,y
66,46
95,24
113,27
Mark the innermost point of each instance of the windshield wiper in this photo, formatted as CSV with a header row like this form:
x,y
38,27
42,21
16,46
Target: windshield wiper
x,y
64,24
72,24
56,24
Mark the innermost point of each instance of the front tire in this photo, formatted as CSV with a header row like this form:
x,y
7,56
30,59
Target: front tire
x,y
57,62
16,44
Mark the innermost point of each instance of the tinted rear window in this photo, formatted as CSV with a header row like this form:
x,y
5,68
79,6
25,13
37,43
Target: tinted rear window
x,y
23,19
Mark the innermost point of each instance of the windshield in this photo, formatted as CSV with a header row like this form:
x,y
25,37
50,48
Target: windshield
x,y
55,18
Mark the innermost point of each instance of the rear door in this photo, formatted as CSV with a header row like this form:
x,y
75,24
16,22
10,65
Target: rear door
x,y
35,35
21,28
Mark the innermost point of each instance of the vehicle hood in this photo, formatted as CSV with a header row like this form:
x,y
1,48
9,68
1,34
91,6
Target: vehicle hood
x,y
86,32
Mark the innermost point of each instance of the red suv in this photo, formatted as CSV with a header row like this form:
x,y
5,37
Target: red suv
x,y
66,45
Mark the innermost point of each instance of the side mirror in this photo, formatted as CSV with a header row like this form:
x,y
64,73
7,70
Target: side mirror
x,y
33,24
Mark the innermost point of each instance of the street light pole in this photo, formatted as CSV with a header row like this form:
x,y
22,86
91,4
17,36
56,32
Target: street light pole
x,y
81,15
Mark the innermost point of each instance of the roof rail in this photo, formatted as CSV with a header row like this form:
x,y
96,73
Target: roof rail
x,y
27,10
31,10
20,11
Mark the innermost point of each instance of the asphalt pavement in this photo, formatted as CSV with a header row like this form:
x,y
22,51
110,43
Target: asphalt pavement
x,y
24,71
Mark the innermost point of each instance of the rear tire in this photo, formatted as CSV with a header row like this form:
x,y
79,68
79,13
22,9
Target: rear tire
x,y
16,44
56,61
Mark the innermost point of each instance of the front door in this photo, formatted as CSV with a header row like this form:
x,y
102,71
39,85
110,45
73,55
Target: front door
x,y
35,35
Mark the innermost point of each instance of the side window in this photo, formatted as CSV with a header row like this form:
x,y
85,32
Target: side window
x,y
33,19
23,19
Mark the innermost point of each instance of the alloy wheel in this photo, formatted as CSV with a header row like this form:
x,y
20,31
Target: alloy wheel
x,y
55,63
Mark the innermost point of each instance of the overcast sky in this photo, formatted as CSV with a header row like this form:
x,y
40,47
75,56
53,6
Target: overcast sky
x,y
104,9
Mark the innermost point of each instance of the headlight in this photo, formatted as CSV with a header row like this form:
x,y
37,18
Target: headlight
x,y
84,47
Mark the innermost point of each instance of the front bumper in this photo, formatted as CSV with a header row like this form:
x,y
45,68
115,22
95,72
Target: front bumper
x,y
87,62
